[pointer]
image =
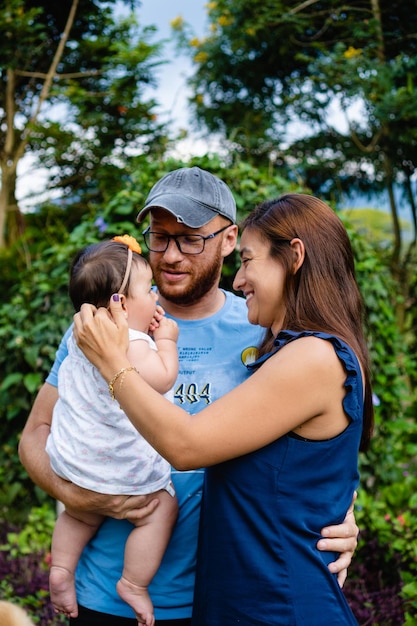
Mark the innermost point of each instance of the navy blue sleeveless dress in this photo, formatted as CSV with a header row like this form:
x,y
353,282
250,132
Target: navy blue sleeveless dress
x,y
261,517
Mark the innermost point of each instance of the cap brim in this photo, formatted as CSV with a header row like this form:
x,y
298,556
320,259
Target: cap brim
x,y
186,210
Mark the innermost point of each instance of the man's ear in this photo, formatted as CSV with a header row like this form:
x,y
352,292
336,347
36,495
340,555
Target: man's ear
x,y
298,250
230,240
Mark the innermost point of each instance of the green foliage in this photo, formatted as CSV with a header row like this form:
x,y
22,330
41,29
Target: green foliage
x,y
375,225
387,502
27,332
36,535
391,519
346,74
265,63
99,90
36,312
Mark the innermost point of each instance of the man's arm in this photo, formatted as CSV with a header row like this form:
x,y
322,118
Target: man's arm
x,y
32,453
342,538
35,459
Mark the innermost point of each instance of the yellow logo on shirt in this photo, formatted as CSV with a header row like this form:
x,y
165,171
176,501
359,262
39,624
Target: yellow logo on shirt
x,y
249,355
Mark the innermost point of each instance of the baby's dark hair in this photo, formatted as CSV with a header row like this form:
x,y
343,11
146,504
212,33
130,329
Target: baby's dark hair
x,y
97,272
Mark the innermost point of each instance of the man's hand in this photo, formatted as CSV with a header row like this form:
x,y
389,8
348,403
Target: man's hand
x,y
132,508
342,538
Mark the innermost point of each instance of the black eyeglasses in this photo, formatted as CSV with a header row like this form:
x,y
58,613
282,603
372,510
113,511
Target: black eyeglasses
x,y
186,244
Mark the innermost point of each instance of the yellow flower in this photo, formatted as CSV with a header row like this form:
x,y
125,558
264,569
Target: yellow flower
x,y
194,42
225,20
200,57
130,242
177,23
352,52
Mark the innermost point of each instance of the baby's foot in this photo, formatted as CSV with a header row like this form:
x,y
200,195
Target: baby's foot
x,y
138,598
62,590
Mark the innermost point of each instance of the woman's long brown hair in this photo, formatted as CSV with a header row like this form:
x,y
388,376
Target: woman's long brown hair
x,y
323,294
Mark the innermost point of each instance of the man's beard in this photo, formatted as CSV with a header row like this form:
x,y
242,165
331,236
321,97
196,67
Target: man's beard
x,y
201,283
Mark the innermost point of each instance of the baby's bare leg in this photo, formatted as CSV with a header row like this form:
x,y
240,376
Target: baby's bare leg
x,y
144,550
73,530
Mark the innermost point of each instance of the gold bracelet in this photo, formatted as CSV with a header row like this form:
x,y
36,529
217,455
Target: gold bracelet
x,y
122,373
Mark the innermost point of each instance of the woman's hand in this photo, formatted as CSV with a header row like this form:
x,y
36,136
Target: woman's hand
x,y
103,337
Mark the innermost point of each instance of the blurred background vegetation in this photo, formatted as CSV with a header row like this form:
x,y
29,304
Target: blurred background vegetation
x,y
263,70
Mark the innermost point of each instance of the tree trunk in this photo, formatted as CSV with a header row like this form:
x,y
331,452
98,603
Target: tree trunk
x,y
11,219
413,208
394,214
3,208
14,148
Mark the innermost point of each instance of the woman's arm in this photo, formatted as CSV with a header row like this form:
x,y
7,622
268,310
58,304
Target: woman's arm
x,y
273,401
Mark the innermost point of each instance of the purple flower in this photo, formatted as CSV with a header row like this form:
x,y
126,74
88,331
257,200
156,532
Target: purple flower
x,y
101,224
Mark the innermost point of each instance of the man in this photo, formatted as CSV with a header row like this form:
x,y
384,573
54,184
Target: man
x,y
192,229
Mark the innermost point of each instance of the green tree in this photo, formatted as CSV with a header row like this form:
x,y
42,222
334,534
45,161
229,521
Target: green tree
x,y
265,64
76,62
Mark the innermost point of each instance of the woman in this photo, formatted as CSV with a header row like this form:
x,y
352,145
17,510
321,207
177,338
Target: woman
x,y
283,443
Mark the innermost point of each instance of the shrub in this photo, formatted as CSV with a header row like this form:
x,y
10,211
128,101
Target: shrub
x,y
373,587
24,566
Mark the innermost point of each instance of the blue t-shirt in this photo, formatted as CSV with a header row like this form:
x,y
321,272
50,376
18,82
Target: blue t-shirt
x,y
261,518
213,354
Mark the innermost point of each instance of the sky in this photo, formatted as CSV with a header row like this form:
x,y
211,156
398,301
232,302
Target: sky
x,y
172,91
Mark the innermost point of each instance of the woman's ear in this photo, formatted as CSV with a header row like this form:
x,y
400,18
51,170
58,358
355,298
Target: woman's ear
x,y
298,250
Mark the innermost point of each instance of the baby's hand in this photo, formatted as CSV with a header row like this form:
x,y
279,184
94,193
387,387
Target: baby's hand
x,y
167,329
157,316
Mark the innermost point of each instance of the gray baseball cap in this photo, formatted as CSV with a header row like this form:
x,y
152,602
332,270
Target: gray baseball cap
x,y
193,196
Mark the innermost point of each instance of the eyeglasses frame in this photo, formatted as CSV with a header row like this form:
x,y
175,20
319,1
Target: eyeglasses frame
x,y
204,238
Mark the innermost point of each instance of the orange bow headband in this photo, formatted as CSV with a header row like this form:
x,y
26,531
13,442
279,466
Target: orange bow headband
x,y
132,246
130,242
